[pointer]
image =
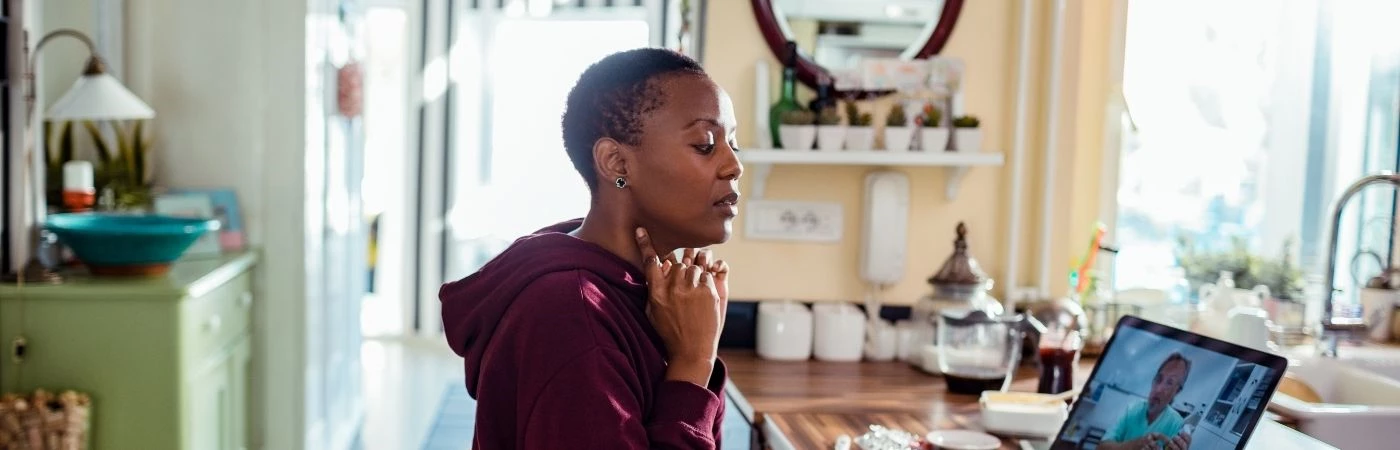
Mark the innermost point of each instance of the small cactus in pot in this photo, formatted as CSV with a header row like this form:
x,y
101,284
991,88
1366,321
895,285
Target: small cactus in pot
x,y
860,135
831,134
796,131
968,134
933,137
898,133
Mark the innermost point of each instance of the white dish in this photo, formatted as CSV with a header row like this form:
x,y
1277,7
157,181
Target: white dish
x,y
1022,414
963,440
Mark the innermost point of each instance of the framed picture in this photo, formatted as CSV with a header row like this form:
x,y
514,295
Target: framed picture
x,y
225,208
191,205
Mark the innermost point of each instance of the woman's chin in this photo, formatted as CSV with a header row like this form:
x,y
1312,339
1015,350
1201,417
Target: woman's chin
x,y
712,235
724,232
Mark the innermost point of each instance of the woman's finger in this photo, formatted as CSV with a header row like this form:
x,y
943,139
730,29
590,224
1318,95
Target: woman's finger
x,y
644,244
692,275
719,267
704,258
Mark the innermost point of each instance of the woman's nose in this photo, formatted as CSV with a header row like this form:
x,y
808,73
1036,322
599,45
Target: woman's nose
x,y
732,168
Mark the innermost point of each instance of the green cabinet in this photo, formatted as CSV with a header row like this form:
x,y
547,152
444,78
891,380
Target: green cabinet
x,y
165,360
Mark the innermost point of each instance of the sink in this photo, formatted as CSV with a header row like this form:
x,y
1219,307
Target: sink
x,y
1384,361
1360,399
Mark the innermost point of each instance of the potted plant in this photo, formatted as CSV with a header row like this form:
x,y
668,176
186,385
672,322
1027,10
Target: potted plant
x,y
1281,275
830,132
796,130
933,137
124,171
969,134
860,136
898,133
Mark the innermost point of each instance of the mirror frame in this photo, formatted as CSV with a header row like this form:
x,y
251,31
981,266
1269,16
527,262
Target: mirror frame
x,y
808,70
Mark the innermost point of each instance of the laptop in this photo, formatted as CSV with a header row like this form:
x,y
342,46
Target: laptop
x,y
1170,388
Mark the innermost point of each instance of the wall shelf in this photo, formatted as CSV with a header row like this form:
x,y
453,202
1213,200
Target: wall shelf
x,y
759,163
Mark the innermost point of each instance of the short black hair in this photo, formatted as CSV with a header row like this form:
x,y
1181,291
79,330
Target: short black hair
x,y
611,98
1177,357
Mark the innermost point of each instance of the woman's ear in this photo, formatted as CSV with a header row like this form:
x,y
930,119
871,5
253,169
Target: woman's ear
x,y
610,160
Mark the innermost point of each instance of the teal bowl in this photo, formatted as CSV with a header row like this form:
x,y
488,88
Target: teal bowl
x,y
127,244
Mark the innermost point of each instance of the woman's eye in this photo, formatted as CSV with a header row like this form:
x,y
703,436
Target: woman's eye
x,y
734,146
704,148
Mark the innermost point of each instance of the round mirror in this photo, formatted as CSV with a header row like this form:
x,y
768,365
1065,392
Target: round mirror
x,y
834,36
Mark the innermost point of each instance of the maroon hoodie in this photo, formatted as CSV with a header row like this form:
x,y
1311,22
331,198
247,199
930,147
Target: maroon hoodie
x,y
560,354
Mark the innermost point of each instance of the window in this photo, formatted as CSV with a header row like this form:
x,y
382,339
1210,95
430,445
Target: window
x,y
1247,120
520,160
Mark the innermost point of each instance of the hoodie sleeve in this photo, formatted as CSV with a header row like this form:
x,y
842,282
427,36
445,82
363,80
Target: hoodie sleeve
x,y
593,403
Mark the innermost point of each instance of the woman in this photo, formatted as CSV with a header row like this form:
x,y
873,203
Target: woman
x,y
580,336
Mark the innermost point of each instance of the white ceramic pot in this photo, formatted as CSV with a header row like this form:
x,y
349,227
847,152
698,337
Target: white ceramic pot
x,y
933,139
968,140
830,137
784,331
797,137
897,139
860,138
881,341
838,332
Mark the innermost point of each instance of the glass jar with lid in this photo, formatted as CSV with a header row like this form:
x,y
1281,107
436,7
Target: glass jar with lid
x,y
960,285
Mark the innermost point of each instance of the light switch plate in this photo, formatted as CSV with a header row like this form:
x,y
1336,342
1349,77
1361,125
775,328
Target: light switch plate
x,y
793,221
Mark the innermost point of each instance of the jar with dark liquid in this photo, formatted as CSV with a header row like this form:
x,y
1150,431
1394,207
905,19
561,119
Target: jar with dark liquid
x,y
1058,354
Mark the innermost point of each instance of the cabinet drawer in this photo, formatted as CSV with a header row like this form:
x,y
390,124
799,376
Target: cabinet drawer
x,y
208,323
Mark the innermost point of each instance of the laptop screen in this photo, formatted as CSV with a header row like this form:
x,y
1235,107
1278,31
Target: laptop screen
x,y
1158,387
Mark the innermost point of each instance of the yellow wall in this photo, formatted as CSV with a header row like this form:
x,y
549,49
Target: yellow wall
x,y
985,38
774,270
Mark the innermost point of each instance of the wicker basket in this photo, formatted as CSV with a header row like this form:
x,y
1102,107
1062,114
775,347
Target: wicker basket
x,y
44,421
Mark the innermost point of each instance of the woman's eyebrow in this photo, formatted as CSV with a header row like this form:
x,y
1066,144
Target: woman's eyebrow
x,y
704,120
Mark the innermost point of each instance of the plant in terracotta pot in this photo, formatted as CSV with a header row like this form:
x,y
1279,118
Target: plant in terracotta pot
x,y
969,134
796,130
830,132
860,135
898,133
933,137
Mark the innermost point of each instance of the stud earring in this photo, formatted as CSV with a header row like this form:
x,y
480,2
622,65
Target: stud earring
x,y
620,183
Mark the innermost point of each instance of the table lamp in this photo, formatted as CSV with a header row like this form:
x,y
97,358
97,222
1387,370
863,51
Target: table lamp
x,y
96,95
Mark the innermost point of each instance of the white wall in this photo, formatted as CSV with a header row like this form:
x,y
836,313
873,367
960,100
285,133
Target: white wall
x,y
228,82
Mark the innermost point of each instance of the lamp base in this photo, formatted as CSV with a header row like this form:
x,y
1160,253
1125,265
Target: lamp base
x,y
34,273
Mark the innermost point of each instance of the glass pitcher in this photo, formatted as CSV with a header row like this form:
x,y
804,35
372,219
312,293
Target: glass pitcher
x,y
978,351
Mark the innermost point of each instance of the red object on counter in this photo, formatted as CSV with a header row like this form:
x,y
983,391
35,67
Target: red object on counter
x,y
79,201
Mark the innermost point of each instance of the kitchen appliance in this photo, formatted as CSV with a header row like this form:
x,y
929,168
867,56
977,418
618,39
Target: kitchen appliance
x,y
978,351
884,228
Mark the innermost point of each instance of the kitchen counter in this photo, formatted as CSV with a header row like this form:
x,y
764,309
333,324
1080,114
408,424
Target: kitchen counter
x,y
808,404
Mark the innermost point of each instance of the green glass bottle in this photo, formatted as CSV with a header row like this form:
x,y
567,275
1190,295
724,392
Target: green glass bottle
x,y
788,101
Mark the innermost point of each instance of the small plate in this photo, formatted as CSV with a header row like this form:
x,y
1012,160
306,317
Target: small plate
x,y
963,440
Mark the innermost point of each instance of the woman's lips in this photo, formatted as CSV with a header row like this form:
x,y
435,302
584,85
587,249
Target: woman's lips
x,y
728,205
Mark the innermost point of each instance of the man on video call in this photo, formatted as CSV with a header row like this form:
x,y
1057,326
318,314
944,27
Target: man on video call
x,y
1154,424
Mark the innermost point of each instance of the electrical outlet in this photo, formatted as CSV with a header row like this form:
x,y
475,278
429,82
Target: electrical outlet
x,y
793,221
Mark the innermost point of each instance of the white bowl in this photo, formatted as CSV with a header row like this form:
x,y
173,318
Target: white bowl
x,y
1022,413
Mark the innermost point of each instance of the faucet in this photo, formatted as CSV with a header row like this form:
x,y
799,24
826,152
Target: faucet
x,y
1332,327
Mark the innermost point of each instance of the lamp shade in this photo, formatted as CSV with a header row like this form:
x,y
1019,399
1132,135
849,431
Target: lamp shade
x,y
99,97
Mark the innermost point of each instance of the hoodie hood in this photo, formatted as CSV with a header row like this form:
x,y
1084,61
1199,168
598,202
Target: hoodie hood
x,y
473,306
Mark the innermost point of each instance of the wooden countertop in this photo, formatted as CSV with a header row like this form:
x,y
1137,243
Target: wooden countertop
x,y
811,403
808,404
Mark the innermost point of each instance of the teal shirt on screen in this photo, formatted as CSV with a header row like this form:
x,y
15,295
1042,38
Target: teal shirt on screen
x,y
1133,424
